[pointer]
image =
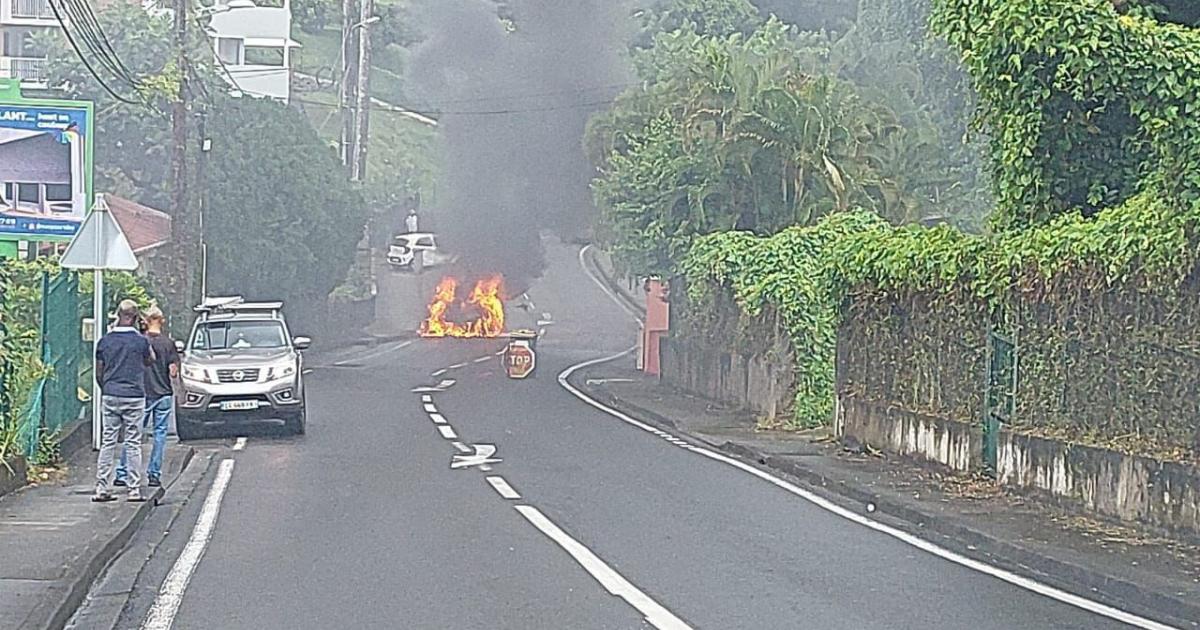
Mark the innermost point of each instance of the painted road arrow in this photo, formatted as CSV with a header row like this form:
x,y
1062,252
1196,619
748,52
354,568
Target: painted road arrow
x,y
481,457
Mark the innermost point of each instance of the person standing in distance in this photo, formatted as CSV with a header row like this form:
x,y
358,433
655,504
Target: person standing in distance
x,y
160,396
121,360
410,222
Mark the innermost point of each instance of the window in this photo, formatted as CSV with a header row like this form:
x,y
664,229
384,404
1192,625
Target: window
x,y
425,241
58,192
239,335
229,50
28,193
264,56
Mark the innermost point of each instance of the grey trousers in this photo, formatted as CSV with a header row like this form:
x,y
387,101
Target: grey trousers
x,y
120,414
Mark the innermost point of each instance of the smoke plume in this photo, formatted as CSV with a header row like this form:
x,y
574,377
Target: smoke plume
x,y
512,105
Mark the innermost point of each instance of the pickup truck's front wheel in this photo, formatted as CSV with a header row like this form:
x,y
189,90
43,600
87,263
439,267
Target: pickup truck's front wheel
x,y
295,424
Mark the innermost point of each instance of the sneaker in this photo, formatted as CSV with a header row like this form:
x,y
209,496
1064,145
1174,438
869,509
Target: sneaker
x,y
120,483
154,482
135,496
103,497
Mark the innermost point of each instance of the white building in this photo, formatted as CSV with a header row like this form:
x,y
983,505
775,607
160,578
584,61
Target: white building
x,y
19,56
254,45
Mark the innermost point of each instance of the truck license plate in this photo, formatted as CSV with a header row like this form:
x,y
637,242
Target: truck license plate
x,y
238,405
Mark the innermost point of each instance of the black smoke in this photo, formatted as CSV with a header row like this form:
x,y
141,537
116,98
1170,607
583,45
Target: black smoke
x,y
512,106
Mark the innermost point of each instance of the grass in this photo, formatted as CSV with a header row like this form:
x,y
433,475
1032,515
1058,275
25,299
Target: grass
x,y
396,144
321,55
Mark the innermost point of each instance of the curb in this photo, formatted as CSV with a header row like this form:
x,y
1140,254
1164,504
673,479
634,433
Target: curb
x,y
78,590
969,542
620,290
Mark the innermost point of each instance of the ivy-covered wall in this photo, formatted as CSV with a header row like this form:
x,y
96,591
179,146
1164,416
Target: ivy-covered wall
x,y
1105,313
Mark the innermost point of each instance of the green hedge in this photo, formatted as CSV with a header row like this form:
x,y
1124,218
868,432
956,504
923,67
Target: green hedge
x,y
1105,312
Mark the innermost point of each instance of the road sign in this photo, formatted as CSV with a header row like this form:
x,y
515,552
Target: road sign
x,y
519,359
100,243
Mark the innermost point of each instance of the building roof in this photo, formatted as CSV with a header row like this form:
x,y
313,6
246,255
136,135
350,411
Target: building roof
x,y
146,228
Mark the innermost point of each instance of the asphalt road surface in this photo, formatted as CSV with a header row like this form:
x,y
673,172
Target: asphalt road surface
x,y
581,521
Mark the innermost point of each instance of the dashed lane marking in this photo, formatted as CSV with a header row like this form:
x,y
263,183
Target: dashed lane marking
x,y
239,444
447,431
437,418
430,408
501,486
460,447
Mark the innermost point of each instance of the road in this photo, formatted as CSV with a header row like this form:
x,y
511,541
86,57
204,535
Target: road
x,y
363,523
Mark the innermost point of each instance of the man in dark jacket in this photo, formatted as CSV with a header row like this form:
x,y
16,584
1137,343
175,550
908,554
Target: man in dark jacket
x,y
121,359
160,399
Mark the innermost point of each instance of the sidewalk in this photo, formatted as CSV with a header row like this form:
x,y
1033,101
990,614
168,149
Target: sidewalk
x,y
1124,567
54,541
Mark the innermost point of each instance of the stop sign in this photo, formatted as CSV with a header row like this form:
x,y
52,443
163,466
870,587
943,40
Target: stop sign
x,y
519,359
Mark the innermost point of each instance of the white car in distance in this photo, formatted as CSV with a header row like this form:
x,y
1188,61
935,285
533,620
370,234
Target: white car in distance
x,y
404,249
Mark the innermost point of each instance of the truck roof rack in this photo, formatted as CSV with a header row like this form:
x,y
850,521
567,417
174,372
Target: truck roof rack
x,y
236,303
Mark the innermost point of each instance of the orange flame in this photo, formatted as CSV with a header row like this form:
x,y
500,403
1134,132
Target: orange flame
x,y
485,297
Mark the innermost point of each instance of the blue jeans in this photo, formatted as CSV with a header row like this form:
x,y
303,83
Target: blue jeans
x,y
160,410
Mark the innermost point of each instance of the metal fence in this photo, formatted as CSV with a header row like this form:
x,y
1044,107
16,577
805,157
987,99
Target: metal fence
x,y
54,402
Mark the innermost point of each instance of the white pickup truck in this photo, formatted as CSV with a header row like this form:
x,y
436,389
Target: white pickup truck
x,y
404,249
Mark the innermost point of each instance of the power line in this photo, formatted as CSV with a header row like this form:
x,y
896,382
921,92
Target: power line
x,y
532,95
87,19
495,112
82,58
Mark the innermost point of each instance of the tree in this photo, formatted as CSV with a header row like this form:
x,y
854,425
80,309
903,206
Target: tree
x,y
718,18
731,132
282,220
133,141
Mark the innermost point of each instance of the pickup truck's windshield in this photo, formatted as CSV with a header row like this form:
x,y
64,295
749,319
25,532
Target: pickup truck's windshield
x,y
239,335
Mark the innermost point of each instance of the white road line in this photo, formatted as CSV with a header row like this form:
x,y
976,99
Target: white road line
x,y
170,596
462,448
438,373
430,408
924,545
446,383
447,431
501,486
500,353
306,371
437,418
457,365
239,444
426,398
375,354
612,581
482,359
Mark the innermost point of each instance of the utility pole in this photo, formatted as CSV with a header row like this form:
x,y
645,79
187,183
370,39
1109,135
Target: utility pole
x,y
358,168
183,237
346,97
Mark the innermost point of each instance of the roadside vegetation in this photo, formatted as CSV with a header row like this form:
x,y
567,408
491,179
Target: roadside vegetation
x,y
1088,255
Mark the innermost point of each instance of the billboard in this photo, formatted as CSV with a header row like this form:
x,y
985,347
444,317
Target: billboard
x,y
45,166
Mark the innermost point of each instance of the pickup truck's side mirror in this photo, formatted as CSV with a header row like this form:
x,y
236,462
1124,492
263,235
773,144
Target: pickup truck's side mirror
x,y
301,343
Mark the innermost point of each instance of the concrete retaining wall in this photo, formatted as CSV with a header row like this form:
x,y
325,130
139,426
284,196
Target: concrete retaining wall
x,y
762,382
15,479
955,445
1163,495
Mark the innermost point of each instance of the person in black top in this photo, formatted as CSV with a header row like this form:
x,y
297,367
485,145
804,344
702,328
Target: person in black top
x,y
121,359
160,396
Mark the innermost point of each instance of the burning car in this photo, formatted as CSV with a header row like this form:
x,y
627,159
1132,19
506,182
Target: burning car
x,y
484,304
